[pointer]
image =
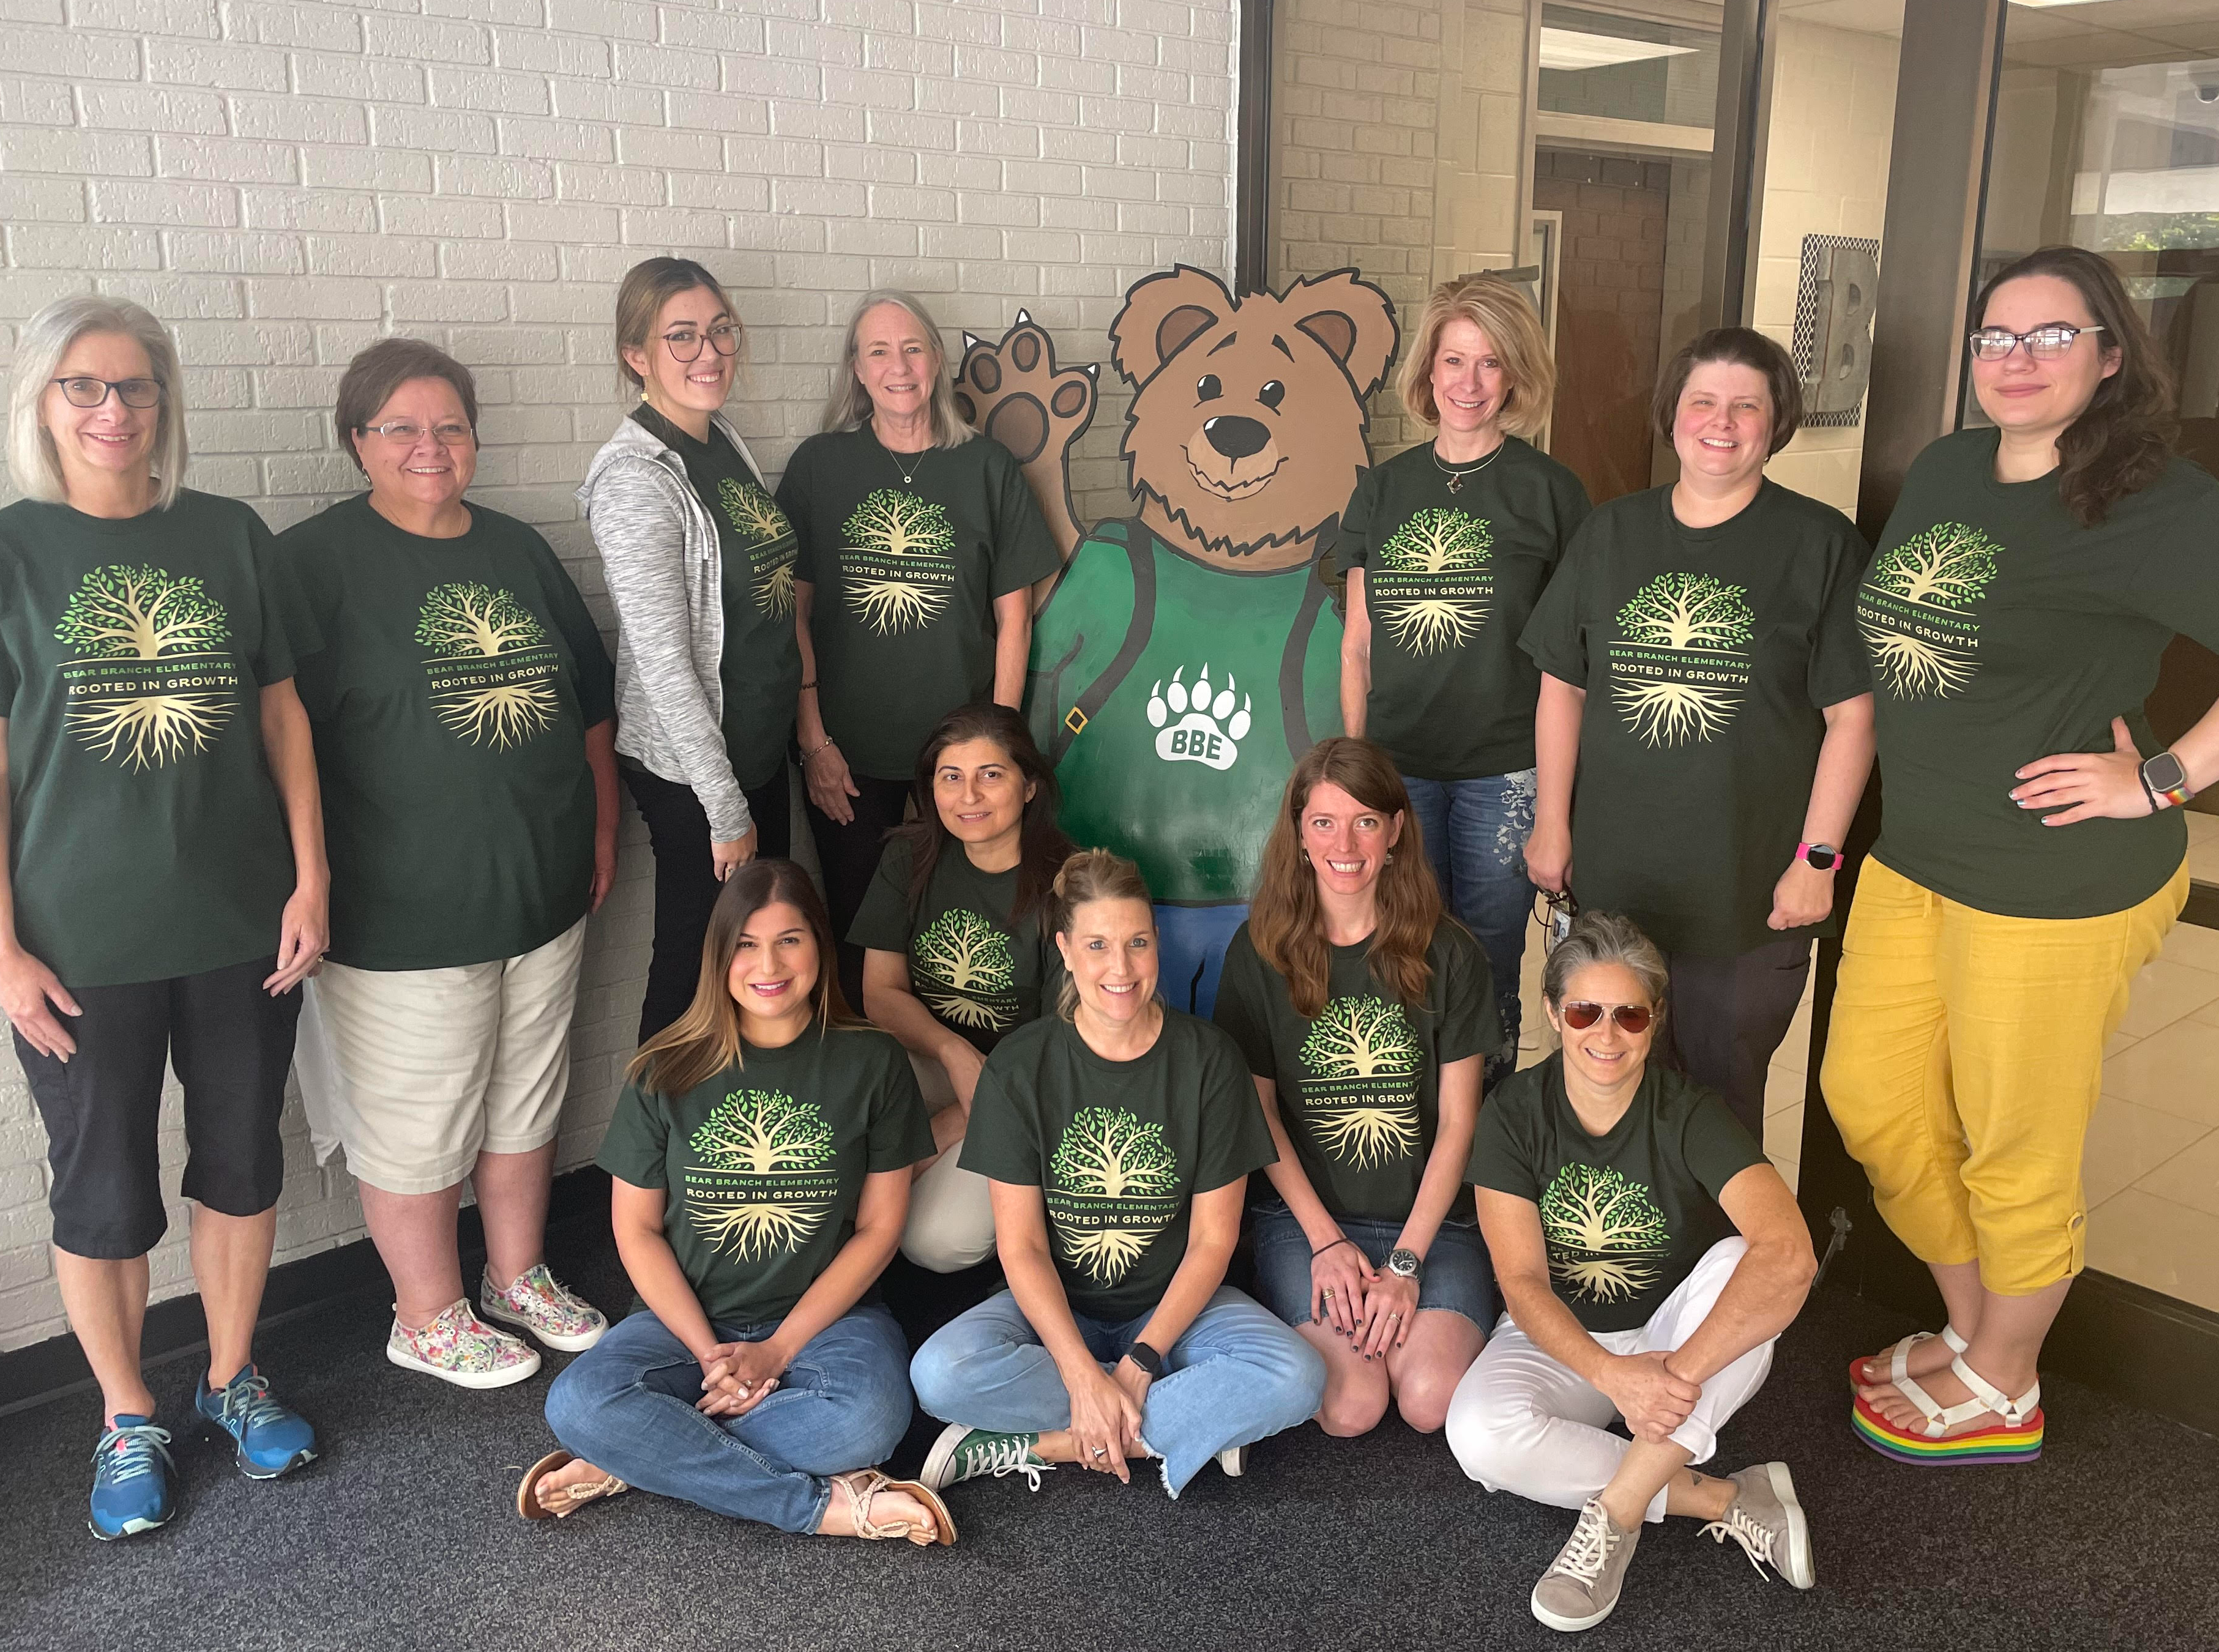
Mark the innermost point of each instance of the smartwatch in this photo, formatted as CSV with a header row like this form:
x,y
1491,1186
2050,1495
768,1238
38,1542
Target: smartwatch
x,y
2164,776
1402,1262
1150,1362
1822,857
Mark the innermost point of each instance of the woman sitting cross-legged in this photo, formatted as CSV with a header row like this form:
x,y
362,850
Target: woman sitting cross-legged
x,y
1367,1014
1649,1255
957,954
1118,1135
763,1155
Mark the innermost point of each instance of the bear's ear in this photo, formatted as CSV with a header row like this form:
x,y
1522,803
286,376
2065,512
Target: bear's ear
x,y
1163,315
1351,320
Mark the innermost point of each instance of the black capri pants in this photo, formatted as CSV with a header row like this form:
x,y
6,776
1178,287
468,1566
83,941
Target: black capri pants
x,y
232,1044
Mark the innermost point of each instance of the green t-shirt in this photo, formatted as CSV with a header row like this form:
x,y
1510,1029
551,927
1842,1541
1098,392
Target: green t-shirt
x,y
764,1164
450,703
981,974
146,838
1359,1086
1174,698
1118,1148
2002,631
1449,580
1627,1215
906,575
1707,655
760,670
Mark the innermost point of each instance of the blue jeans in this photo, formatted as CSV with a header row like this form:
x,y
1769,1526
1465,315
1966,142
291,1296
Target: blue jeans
x,y
1475,834
1458,1277
626,1405
1190,943
1238,1375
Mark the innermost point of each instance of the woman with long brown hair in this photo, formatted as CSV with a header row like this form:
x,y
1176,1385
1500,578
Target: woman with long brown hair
x,y
957,952
762,1152
1367,1014
2032,854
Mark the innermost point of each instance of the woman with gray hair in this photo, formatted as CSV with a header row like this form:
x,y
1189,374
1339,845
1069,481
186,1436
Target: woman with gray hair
x,y
165,888
1648,1257
926,545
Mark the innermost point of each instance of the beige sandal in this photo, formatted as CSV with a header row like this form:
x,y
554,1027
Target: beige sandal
x,y
864,1484
569,1500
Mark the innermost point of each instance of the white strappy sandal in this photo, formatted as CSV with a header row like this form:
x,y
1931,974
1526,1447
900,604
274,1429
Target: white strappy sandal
x,y
1898,1357
2016,1438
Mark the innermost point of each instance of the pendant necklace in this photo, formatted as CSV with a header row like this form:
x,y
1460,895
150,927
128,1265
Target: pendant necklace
x,y
1456,477
917,462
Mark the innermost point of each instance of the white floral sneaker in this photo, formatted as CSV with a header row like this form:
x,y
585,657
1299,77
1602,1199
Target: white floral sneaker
x,y
458,1347
546,1307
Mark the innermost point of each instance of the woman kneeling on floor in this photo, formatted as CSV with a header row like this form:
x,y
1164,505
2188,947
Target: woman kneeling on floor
x,y
762,1152
1118,1135
1610,1193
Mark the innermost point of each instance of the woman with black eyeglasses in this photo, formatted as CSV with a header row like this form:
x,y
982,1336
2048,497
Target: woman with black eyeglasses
x,y
699,563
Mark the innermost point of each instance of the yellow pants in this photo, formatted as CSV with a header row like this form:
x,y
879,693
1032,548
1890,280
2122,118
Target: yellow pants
x,y
1964,1060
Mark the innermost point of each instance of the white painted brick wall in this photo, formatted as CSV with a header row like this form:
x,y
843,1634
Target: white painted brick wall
x,y
284,183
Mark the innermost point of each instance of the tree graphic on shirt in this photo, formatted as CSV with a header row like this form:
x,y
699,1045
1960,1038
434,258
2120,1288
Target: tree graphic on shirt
x,y
892,527
756,515
1449,549
1364,1037
761,1134
1607,1230
1946,570
1106,1153
1690,614
122,613
466,621
961,954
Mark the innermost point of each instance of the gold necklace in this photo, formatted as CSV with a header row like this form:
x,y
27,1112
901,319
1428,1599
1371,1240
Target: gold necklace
x,y
1456,477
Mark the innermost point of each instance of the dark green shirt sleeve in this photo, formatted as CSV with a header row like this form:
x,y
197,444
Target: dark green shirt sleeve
x,y
1024,550
1840,667
638,1140
589,655
2177,581
288,629
1573,506
1716,1145
882,923
1471,1021
1554,638
1499,1159
1234,1139
1002,1140
900,1130
1353,548
1243,1006
792,498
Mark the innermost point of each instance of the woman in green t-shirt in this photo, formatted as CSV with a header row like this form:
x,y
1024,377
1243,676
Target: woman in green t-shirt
x,y
1118,1134
162,881
761,1155
919,548
1703,680
2030,860
1447,547
465,735
957,953
1367,1015
699,564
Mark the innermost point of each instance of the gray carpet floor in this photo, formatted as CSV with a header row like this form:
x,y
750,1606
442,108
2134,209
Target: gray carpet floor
x,y
403,1536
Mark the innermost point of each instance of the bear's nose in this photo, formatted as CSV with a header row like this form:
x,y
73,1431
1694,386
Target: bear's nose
x,y
1236,437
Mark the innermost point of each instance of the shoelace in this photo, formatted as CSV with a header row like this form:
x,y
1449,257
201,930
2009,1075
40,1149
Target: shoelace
x,y
131,1451
247,1399
1756,1540
1591,1542
1012,1457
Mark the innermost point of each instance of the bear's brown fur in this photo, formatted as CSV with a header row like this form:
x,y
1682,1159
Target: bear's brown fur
x,y
1247,431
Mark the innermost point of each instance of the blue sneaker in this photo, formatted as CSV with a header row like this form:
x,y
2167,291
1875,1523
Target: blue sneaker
x,y
272,1439
133,1487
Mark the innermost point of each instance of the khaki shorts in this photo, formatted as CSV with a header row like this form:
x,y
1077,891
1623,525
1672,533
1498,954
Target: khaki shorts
x,y
416,1072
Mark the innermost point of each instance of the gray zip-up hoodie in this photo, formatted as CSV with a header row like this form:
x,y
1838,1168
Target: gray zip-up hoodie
x,y
665,569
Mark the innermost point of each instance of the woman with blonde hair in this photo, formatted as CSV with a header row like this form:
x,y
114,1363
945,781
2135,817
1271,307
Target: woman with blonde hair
x,y
1447,548
919,548
762,1152
164,889
1366,1014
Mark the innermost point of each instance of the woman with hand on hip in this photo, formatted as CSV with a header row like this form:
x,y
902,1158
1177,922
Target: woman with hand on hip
x,y
1703,682
1367,1015
462,709
164,887
957,949
1447,547
699,563
1118,1134
920,546
2032,854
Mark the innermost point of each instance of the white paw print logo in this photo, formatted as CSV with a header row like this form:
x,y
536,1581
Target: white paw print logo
x,y
1206,729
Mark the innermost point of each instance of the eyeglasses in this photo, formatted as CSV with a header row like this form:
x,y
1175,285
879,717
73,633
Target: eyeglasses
x,y
1631,1018
2044,344
686,343
90,393
407,432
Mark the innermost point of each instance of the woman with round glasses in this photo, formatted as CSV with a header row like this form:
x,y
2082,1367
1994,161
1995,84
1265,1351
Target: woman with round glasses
x,y
699,563
463,707
2032,854
919,549
1648,1257
163,888
1703,681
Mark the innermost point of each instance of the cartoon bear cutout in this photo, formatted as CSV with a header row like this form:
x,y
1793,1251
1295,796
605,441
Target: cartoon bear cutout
x,y
1189,654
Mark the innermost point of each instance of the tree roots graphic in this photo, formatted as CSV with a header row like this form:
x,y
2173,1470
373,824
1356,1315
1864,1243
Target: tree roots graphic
x,y
1671,714
1599,1279
1426,625
895,605
508,716
753,1228
774,596
152,729
959,1011
1107,1253
1913,668
1364,1136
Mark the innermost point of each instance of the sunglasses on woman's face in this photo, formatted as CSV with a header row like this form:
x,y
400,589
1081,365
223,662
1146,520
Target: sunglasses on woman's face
x,y
1631,1018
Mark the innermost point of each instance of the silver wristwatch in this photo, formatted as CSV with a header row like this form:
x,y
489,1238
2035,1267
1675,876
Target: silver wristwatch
x,y
1402,1262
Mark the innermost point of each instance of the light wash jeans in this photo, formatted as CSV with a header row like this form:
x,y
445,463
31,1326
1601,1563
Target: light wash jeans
x,y
626,1405
1238,1375
1475,833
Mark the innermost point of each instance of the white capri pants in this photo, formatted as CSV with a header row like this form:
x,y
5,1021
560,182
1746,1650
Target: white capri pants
x,y
1522,1422
951,1210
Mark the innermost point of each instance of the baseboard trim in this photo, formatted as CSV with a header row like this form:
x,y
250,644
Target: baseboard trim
x,y
176,1329
2151,1349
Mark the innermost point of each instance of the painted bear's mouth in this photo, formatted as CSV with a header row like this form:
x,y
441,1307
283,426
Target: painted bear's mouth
x,y
1228,487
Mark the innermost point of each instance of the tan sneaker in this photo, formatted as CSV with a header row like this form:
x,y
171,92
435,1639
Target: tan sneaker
x,y
1580,1588
545,1307
1767,1521
458,1347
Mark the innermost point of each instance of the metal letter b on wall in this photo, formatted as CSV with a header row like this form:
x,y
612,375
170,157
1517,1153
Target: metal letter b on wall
x,y
1834,304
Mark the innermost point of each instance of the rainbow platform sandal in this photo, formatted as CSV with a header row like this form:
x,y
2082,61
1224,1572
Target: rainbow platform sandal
x,y
2017,1438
